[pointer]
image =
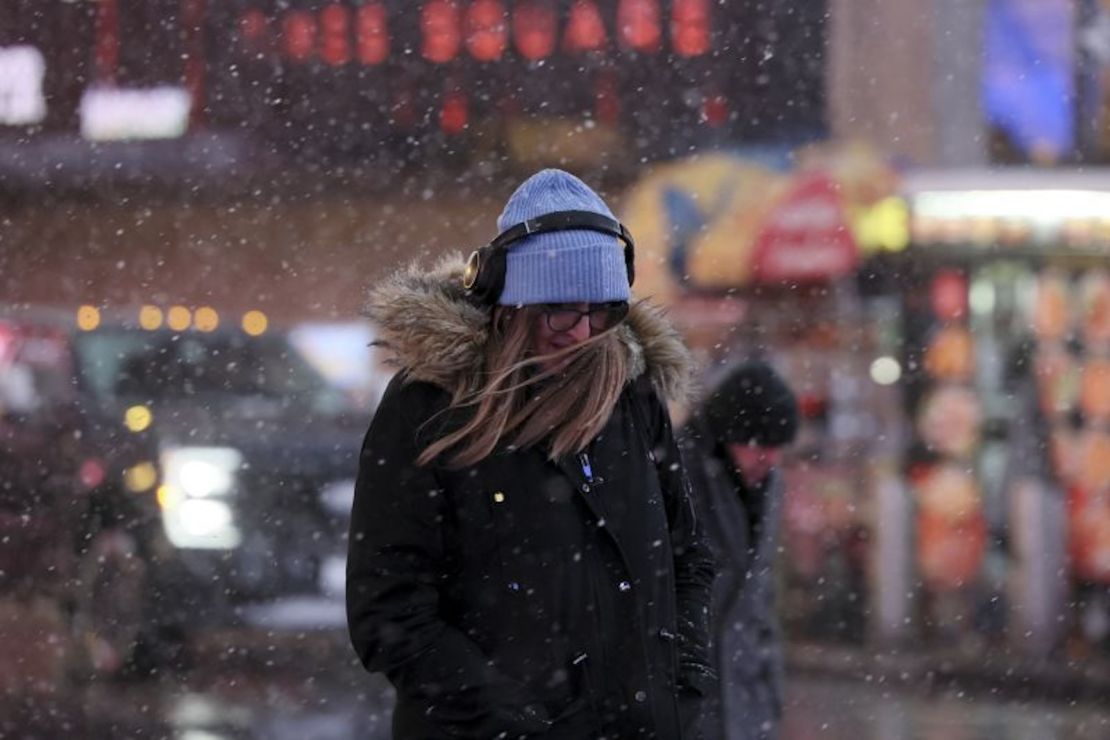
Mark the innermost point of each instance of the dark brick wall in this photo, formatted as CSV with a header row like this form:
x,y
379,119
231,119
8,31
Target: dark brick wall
x,y
293,258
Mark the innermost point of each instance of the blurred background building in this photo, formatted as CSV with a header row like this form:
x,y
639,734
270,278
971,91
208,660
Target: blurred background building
x,y
902,204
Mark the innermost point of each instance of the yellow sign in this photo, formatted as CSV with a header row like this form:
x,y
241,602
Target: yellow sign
x,y
206,319
88,318
150,317
179,318
255,323
141,477
556,142
138,418
696,221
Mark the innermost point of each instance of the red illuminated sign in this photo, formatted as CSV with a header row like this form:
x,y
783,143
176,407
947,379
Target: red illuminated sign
x,y
298,31
534,26
714,110
404,110
487,32
373,34
335,41
252,27
806,237
439,22
107,41
585,28
639,24
690,27
484,29
607,105
192,21
948,295
453,115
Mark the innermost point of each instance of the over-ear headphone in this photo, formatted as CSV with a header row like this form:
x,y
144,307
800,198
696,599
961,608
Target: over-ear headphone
x,y
484,276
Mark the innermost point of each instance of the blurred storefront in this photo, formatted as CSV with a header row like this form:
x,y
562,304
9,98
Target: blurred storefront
x,y
757,260
246,89
1012,316
948,336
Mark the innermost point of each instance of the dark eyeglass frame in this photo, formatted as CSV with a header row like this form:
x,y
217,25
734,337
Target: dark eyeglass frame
x,y
562,317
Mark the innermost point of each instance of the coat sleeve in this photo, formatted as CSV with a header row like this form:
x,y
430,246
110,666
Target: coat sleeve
x,y
397,565
693,560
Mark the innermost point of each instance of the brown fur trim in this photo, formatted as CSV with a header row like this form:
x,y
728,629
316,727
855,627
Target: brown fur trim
x,y
655,347
435,334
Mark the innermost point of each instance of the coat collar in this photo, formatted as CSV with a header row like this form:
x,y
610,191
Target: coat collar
x,y
436,334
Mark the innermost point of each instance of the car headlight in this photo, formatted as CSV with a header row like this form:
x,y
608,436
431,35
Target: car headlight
x,y
338,496
196,512
205,518
200,472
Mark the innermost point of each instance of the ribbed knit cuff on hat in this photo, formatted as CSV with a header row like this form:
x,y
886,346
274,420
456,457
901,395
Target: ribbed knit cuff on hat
x,y
565,267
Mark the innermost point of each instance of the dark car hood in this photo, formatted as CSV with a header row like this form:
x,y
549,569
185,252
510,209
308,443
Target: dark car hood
x,y
269,433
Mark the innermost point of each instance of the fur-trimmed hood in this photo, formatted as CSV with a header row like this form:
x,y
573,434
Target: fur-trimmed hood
x,y
436,334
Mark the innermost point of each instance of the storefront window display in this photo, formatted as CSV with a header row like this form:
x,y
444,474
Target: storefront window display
x,y
1009,462
953,527
950,485
1070,382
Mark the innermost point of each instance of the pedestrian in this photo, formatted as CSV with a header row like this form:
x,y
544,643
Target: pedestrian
x,y
733,447
524,559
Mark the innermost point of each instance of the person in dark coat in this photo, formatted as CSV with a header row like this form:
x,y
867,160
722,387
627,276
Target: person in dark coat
x,y
524,560
733,446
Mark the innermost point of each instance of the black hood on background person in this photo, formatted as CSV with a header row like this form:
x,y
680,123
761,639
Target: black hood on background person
x,y
752,405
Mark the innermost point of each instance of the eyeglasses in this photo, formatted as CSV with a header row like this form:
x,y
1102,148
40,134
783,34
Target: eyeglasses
x,y
602,316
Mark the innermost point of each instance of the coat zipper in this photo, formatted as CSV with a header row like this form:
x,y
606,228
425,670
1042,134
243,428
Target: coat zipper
x,y
587,468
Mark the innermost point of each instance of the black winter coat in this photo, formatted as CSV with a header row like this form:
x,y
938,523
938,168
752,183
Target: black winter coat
x,y
746,640
519,596
519,586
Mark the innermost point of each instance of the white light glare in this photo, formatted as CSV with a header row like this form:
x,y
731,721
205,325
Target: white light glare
x,y
886,371
204,518
202,478
22,69
198,520
113,114
200,472
982,297
1035,206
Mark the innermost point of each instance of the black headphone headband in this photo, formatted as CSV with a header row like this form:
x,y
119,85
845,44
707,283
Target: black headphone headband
x,y
563,221
484,276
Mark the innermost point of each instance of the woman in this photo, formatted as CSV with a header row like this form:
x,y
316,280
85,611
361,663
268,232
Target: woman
x,y
523,558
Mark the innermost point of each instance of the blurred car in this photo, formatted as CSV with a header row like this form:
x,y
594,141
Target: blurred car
x,y
208,473
43,473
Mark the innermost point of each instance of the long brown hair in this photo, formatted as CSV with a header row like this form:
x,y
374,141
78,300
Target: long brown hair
x,y
513,400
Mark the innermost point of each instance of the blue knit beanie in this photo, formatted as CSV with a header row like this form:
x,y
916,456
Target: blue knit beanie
x,y
577,265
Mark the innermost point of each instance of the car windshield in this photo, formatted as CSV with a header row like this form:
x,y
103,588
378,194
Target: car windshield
x,y
123,364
